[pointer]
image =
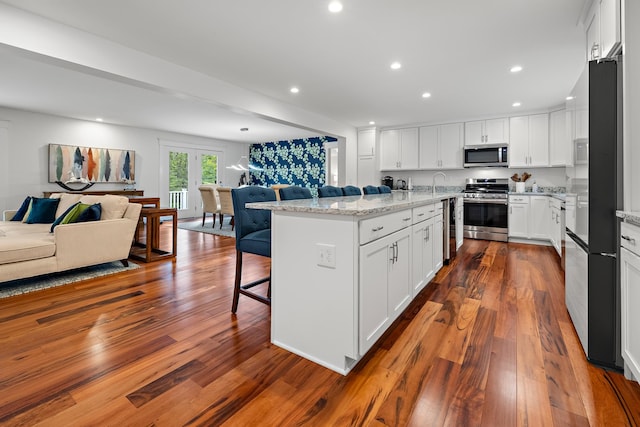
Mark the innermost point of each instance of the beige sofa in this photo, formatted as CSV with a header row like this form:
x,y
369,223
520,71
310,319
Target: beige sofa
x,y
28,250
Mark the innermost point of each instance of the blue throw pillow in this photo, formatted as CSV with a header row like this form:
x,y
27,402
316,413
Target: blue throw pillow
x,y
22,210
61,217
92,213
43,211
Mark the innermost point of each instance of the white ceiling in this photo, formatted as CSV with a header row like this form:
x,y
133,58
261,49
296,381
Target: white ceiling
x,y
458,50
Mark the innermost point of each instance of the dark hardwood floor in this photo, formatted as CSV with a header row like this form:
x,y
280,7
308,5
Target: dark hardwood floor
x,y
488,343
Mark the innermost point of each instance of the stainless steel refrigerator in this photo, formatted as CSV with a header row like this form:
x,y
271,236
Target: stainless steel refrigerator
x,y
594,193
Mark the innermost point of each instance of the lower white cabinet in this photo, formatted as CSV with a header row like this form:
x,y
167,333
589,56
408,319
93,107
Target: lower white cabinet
x,y
630,297
556,224
459,222
385,287
438,239
422,246
539,217
519,216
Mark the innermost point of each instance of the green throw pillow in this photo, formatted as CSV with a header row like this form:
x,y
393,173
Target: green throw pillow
x,y
74,213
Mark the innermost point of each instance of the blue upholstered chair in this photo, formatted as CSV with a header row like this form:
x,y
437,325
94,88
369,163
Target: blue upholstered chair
x,y
329,191
253,235
384,189
351,190
370,189
295,192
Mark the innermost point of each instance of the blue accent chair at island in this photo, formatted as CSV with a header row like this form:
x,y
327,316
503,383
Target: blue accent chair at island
x,y
295,192
384,189
329,191
351,190
370,189
253,235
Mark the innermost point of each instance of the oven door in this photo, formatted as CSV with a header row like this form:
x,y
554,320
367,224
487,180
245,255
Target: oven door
x,y
486,219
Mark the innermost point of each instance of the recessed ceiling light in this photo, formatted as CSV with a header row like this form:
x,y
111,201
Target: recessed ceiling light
x,y
516,69
426,95
569,98
335,7
516,104
372,122
294,90
99,119
396,65
244,129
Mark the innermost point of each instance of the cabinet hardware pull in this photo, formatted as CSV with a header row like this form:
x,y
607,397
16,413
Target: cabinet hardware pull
x,y
629,239
421,214
406,219
377,229
609,254
396,252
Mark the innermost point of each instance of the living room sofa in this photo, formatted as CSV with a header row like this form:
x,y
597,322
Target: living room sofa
x,y
28,250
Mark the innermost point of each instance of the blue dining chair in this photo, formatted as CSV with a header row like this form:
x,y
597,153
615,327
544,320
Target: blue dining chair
x,y
384,189
295,192
329,191
370,189
351,190
253,235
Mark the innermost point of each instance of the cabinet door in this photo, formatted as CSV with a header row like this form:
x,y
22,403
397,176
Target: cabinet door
x,y
474,133
518,220
451,143
630,315
389,149
459,222
429,156
367,142
399,278
418,238
539,218
609,25
558,138
593,33
519,146
438,249
539,140
367,171
409,148
375,258
497,131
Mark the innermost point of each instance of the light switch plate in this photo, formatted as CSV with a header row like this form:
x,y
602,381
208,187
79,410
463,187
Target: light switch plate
x,y
326,255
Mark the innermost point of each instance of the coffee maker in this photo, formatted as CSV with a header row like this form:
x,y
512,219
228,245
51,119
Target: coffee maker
x,y
388,181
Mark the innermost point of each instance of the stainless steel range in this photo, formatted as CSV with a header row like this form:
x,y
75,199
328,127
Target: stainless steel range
x,y
486,207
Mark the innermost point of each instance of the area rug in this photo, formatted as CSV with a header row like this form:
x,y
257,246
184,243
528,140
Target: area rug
x,y
23,286
196,225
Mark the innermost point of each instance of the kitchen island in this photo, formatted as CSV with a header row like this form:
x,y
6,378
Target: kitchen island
x,y
344,268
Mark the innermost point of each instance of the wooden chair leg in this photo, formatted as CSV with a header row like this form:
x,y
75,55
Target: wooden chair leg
x,y
236,286
204,214
221,220
233,222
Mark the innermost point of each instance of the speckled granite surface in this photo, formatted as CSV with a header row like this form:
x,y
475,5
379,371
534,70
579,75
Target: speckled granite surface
x,y
356,205
629,216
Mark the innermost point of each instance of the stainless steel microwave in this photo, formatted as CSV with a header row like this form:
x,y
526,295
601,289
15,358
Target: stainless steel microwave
x,y
486,155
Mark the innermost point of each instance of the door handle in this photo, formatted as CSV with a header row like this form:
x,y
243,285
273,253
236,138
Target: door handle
x,y
609,254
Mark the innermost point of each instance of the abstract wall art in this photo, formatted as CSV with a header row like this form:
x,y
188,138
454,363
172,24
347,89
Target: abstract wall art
x,y
90,164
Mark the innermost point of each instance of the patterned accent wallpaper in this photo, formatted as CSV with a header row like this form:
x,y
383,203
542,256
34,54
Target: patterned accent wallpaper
x,y
296,162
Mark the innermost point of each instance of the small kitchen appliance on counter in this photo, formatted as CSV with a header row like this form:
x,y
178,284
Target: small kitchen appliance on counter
x,y
388,181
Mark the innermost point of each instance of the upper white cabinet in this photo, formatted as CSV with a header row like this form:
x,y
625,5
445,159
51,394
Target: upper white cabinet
x,y
441,146
367,142
603,29
560,138
399,149
495,131
529,141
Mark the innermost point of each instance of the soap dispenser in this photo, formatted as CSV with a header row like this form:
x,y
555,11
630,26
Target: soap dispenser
x,y
534,187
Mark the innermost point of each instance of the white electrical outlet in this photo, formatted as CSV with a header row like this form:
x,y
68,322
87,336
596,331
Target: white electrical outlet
x,y
326,255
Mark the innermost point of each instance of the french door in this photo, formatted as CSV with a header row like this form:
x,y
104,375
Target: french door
x,y
183,170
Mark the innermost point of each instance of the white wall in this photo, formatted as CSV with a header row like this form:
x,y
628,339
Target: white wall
x,y
24,147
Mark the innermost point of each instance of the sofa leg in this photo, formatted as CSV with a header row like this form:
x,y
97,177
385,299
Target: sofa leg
x,y
125,262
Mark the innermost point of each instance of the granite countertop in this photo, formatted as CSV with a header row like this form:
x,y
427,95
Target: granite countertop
x,y
559,196
356,205
630,217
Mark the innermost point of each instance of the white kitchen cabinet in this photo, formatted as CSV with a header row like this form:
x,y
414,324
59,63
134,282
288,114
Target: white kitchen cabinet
x,y
602,25
441,146
459,222
438,239
630,298
539,217
556,224
367,173
559,139
529,136
367,142
494,131
592,24
385,288
519,216
422,256
399,149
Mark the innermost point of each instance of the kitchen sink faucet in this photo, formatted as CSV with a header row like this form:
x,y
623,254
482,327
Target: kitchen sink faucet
x,y
433,185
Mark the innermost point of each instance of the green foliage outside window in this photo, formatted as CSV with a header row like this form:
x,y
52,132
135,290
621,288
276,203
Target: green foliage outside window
x,y
178,171
209,167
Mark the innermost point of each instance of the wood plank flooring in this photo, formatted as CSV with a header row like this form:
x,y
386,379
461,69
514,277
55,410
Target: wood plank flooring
x,y
487,343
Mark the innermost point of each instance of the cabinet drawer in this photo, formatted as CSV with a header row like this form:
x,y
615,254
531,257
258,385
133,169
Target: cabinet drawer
x,y
630,237
519,199
380,226
425,212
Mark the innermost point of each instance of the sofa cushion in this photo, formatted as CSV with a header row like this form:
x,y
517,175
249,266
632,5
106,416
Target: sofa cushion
x,y
66,201
43,211
113,207
24,248
19,215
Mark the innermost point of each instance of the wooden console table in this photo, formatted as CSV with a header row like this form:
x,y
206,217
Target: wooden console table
x,y
150,250
127,193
